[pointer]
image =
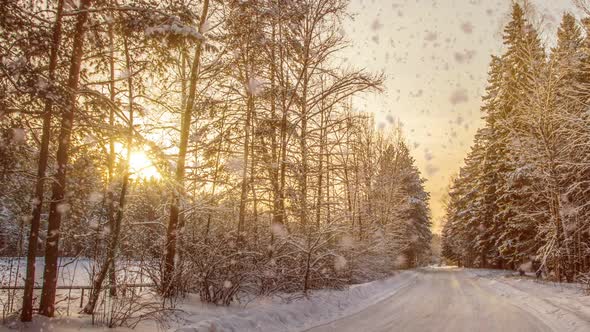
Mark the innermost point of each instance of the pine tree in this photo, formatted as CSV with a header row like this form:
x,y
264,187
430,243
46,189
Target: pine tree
x,y
520,197
523,64
494,154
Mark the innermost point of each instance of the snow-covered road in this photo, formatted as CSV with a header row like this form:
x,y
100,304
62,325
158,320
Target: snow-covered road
x,y
461,300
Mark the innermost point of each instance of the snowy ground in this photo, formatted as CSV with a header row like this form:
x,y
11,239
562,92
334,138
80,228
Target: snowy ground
x,y
72,271
441,299
473,300
561,307
322,307
262,314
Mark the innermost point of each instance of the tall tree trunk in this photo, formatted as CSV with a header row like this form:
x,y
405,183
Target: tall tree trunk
x,y
171,233
357,196
115,231
181,220
347,188
252,172
245,160
112,153
320,172
215,173
47,306
305,227
281,218
282,215
27,309
304,162
274,169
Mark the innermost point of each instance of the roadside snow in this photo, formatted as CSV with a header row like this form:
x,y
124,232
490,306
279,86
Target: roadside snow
x,y
263,314
319,308
562,307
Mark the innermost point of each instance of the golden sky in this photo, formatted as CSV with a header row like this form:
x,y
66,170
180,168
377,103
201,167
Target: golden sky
x,y
435,54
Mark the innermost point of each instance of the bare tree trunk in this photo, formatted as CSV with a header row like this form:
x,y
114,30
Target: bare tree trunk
x,y
47,306
328,185
348,191
215,173
245,160
252,172
171,233
112,156
111,254
181,219
307,274
304,161
357,198
275,168
282,214
320,171
112,248
27,309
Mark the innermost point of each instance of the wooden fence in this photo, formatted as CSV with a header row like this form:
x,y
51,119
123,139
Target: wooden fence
x,y
82,288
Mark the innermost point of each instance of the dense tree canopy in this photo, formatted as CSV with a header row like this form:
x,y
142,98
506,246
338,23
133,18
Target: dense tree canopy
x,y
521,200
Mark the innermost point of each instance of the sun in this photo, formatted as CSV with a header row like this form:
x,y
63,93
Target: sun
x,y
142,167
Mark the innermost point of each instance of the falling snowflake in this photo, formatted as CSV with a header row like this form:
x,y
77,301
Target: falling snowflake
x,y
459,96
254,86
467,27
63,208
19,135
339,263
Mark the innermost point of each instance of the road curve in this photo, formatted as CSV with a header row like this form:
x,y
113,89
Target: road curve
x,y
440,300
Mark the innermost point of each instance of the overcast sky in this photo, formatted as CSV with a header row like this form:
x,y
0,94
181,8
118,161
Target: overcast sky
x,y
435,54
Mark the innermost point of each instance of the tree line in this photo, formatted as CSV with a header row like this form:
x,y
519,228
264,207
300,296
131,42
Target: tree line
x,y
267,178
521,199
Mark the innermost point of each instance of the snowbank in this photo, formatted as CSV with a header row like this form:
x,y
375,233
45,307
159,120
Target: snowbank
x,y
264,314
319,308
562,307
